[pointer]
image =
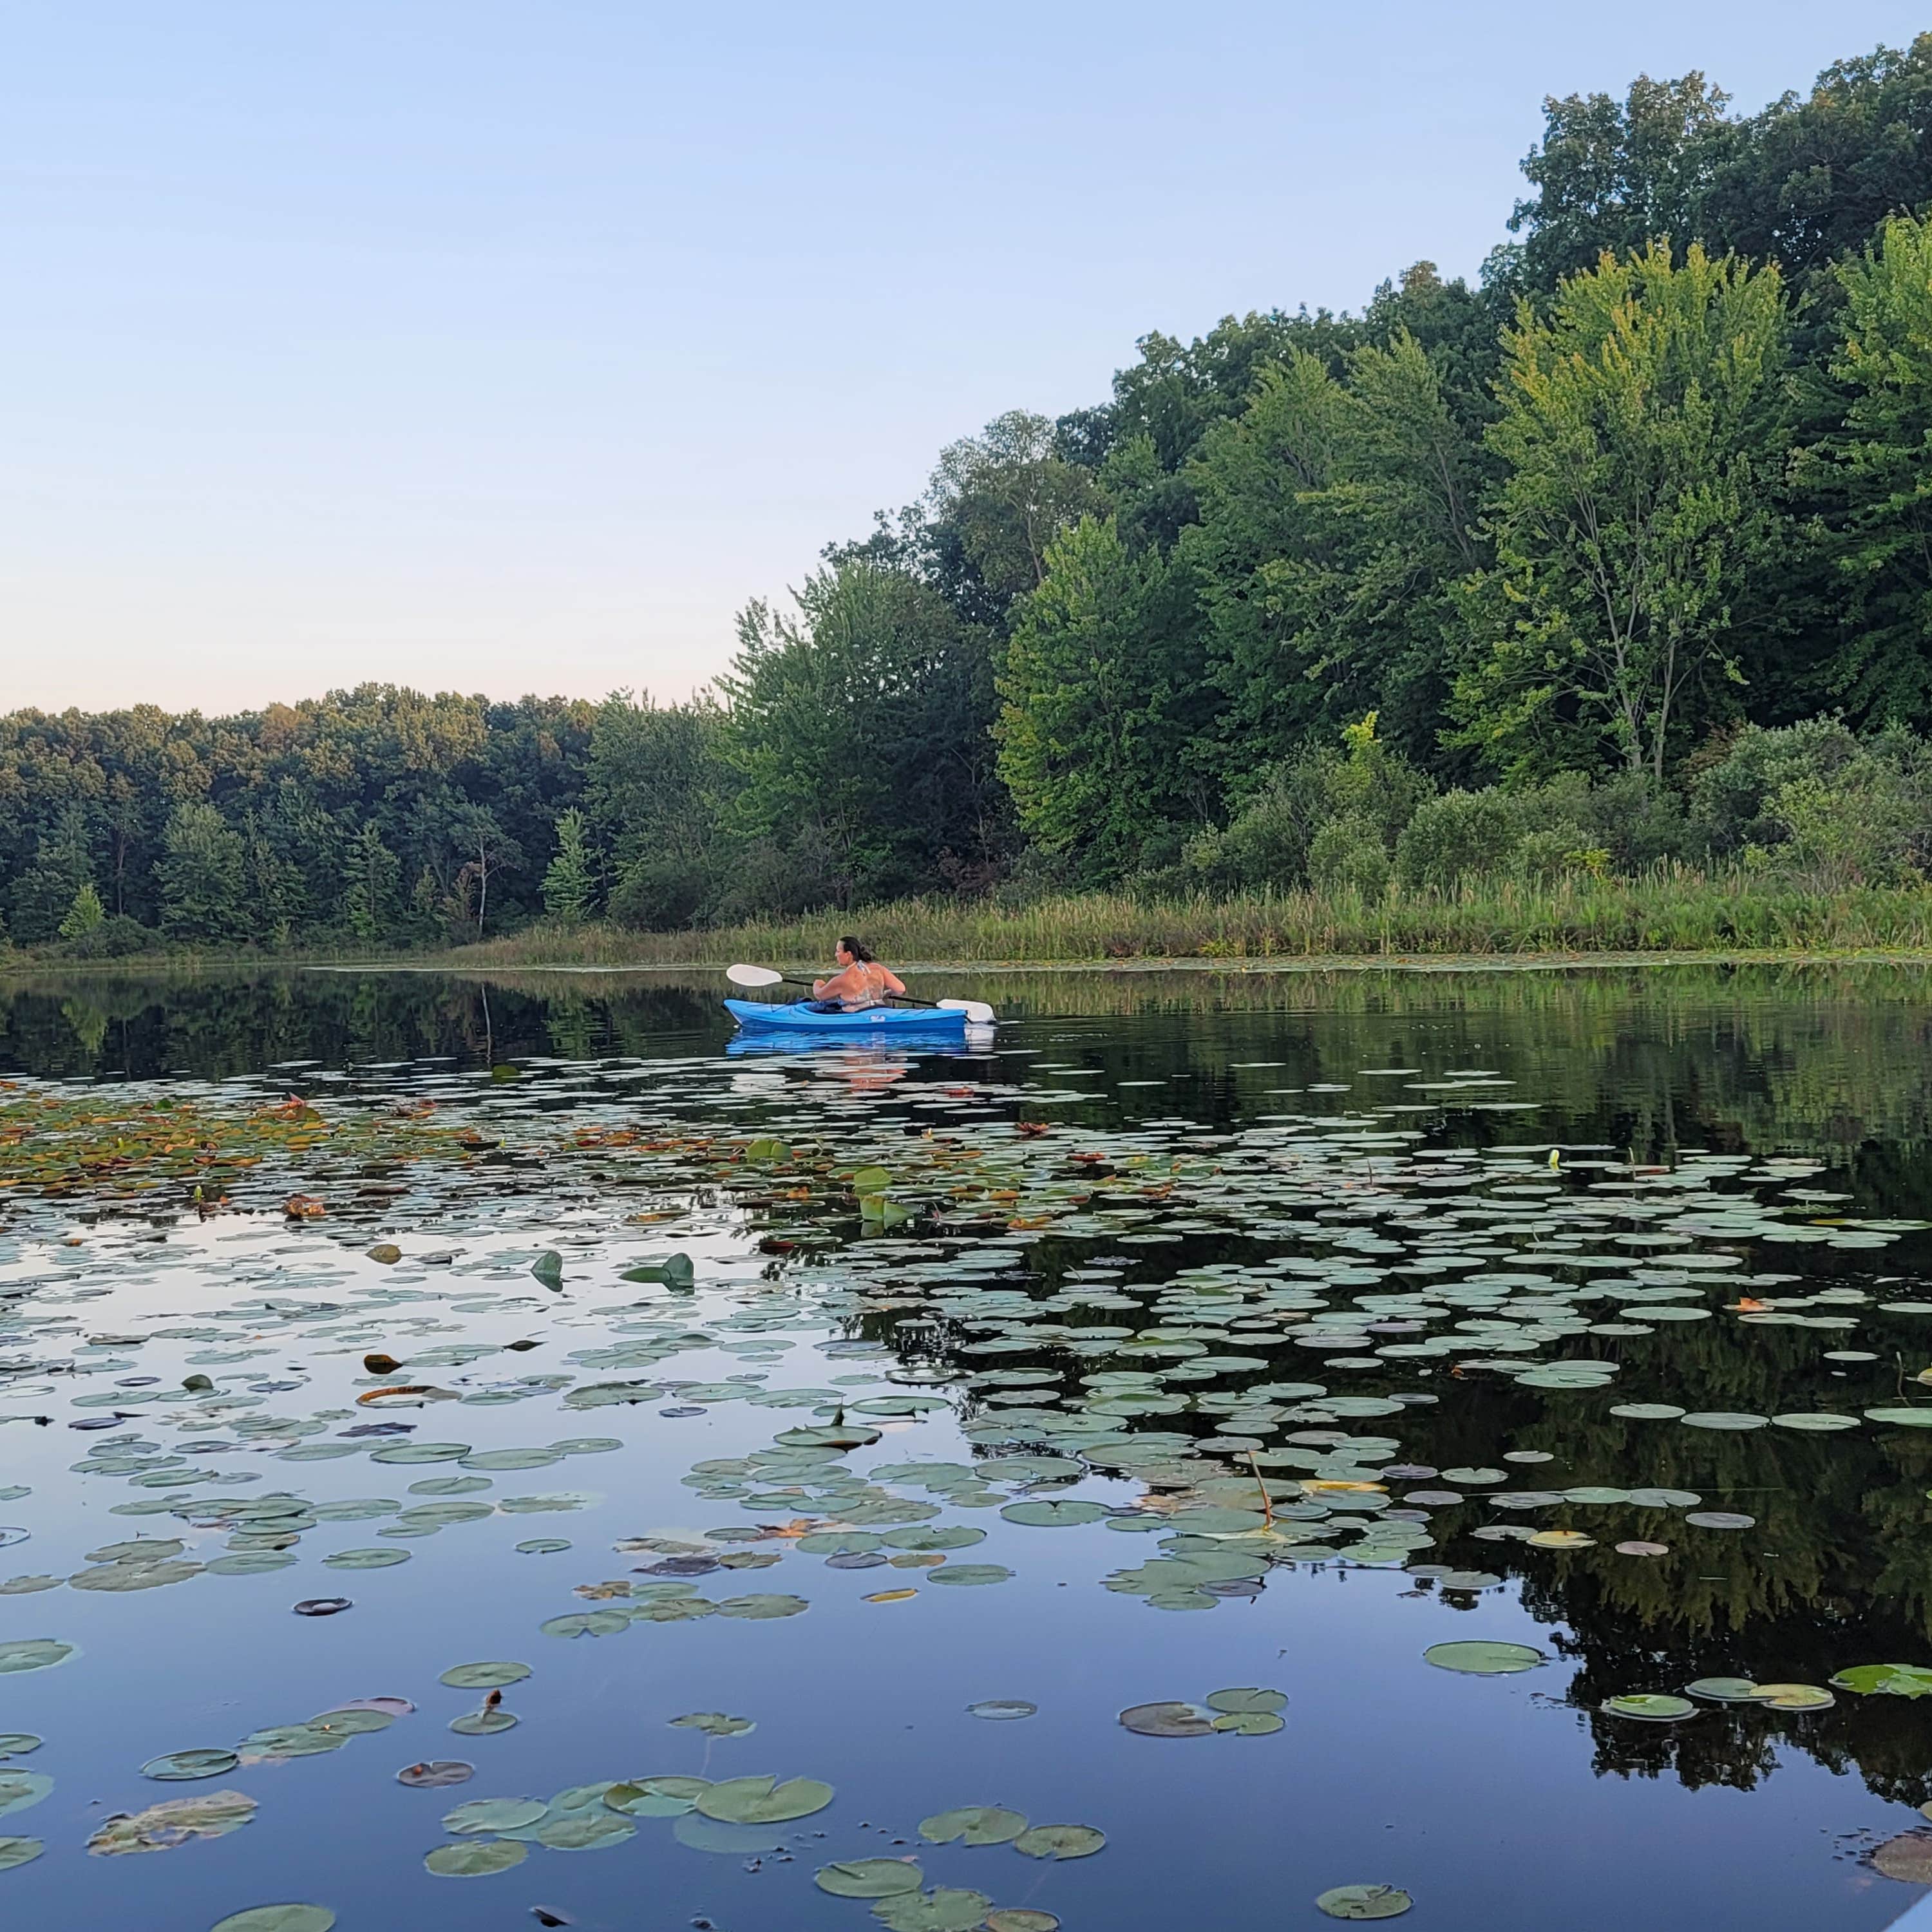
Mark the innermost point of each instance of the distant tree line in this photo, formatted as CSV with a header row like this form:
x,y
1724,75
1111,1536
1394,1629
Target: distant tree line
x,y
1623,553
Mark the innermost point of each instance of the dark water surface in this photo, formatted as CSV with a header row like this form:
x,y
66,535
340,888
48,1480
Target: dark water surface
x,y
1170,1238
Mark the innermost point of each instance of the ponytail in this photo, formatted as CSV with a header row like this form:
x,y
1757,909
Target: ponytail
x,y
858,950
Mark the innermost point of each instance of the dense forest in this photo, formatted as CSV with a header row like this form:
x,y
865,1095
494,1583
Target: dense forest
x,y
1620,557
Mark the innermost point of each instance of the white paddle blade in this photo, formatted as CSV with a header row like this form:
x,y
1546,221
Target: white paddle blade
x,y
753,975
977,1011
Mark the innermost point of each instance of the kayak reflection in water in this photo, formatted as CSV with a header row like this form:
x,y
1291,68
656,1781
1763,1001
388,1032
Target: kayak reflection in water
x,y
860,982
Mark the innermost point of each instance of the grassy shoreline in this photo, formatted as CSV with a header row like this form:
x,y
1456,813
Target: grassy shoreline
x,y
1672,915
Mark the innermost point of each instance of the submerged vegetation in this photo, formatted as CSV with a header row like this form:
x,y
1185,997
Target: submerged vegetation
x,y
1584,606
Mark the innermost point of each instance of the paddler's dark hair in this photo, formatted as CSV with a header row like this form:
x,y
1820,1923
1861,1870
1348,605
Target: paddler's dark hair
x,y
858,950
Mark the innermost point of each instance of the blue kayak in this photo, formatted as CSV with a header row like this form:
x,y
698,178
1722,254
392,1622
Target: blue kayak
x,y
872,1023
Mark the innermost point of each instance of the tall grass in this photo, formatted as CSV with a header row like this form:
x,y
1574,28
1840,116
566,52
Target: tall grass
x,y
1674,909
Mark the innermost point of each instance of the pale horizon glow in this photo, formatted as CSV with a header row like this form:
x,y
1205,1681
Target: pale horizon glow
x,y
502,349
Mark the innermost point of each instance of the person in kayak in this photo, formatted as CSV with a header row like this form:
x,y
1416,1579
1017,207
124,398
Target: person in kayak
x,y
860,982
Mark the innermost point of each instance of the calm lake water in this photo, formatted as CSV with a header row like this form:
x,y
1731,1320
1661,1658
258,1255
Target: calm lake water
x,y
1226,1344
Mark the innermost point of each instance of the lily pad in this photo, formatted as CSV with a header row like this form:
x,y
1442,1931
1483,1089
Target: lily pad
x,y
493,1814
176,1821
1480,1658
763,1801
944,1910
1059,1841
1888,1680
972,1825
22,1790
484,1859
1723,1689
1002,1710
1364,1901
32,1653
484,1676
185,1766
656,1797
1169,1720
436,1774
19,1852
1653,1708
1795,1697
1046,1513
869,1878
714,1723
1020,1918
279,1918
970,1575
483,1723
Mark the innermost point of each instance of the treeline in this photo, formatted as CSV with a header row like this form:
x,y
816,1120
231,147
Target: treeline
x,y
1621,555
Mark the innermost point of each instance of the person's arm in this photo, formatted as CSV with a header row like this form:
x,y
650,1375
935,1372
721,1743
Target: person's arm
x,y
894,984
836,987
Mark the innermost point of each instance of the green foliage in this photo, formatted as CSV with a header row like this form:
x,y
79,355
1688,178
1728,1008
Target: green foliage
x,y
1638,434
570,881
85,915
1103,697
201,874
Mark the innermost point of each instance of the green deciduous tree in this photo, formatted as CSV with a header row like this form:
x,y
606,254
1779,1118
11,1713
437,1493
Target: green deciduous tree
x,y
1106,707
1638,435
84,915
201,876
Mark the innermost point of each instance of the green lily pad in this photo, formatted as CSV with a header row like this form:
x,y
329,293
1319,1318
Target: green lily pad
x,y
542,1546
365,1559
185,1766
1652,1708
1364,1901
1002,1710
17,1744
714,1723
492,1814
22,1790
584,1832
1480,1658
967,1575
1723,1689
943,1910
32,1653
1044,1513
1796,1697
972,1825
1902,1418
656,1797
763,1801
484,1859
1059,1841
484,1724
1243,1701
1020,1918
19,1852
484,1676
869,1878
758,1608
1888,1680
1248,1723
279,1918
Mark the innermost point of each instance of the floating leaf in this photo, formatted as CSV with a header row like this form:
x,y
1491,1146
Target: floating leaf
x,y
1888,1680
483,1723
19,1852
484,1859
185,1766
869,1878
1652,1708
1059,1841
1907,1858
17,1744
1723,1689
1364,1901
1169,1720
22,1790
944,1910
1020,1918
484,1676
763,1801
493,1814
32,1653
972,1825
969,1574
714,1723
1481,1658
656,1797
1002,1709
279,1918
1795,1697
436,1774
176,1821
1049,1513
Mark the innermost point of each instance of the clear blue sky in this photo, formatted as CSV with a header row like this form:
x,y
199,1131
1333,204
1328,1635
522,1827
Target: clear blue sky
x,y
510,347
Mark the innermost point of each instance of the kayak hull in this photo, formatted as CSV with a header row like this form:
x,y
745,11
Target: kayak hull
x,y
874,1023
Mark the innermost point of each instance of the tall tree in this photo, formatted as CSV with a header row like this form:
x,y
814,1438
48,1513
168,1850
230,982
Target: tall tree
x,y
1875,477
201,874
1638,435
1106,702
570,880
